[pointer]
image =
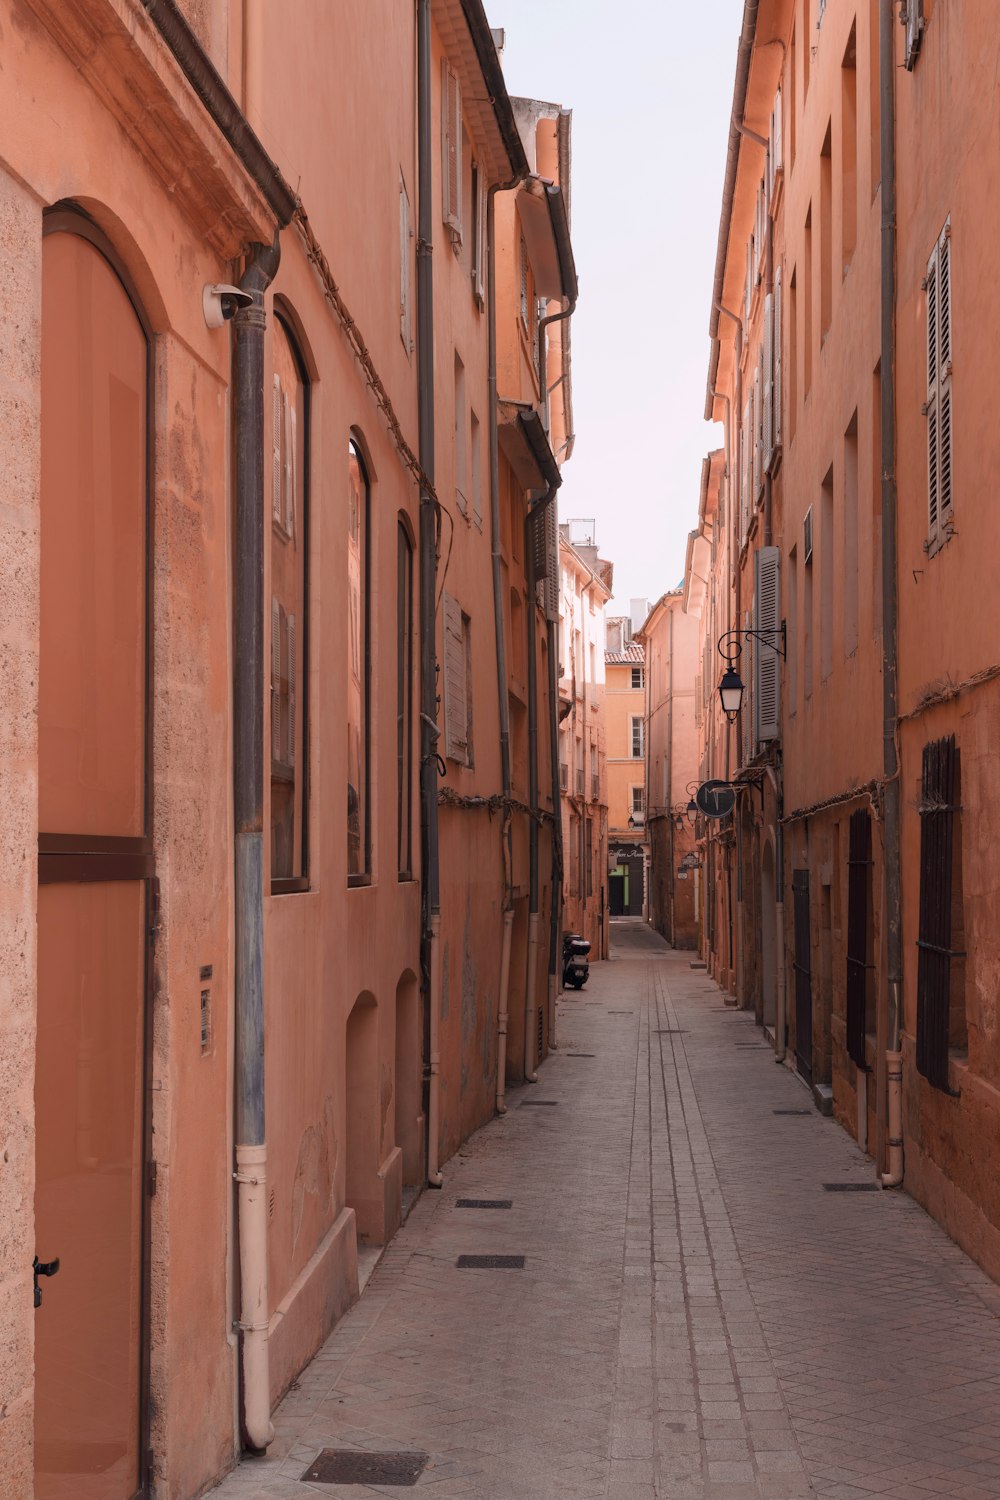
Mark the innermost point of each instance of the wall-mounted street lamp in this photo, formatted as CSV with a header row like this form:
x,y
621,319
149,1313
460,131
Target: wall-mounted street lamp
x,y
731,687
690,811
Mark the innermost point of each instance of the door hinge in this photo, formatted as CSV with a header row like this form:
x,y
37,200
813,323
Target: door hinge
x,y
151,1178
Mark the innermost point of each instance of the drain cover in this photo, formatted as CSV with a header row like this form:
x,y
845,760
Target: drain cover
x,y
485,1203
850,1187
671,1031
791,1111
621,1012
341,1466
581,1054
539,1103
490,1263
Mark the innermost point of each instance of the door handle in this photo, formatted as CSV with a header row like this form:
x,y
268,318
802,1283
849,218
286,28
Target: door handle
x,y
43,1268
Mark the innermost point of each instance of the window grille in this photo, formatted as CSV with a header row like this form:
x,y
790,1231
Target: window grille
x,y
937,409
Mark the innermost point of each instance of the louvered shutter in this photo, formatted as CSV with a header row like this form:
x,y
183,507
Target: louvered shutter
x,y
777,147
749,702
288,466
767,662
277,459
276,638
456,726
940,498
290,689
479,272
776,347
756,436
405,332
767,416
745,500
552,563
748,293
451,150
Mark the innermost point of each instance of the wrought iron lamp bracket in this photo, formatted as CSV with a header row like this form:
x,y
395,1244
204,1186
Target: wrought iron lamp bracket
x,y
731,644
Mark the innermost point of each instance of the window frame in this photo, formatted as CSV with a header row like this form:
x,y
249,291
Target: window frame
x,y
363,876
295,884
405,552
640,721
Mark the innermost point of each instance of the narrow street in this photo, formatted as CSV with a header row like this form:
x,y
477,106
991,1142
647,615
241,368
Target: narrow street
x,y
698,1313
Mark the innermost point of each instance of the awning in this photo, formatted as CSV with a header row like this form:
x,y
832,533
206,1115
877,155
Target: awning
x,y
541,207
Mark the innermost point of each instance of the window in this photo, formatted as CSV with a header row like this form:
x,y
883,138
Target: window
x,y
525,286
826,233
588,855
457,683
638,678
938,408
860,939
849,570
451,153
827,576
807,308
405,299
358,668
941,1024
289,546
638,738
849,151
638,800
476,449
479,267
404,702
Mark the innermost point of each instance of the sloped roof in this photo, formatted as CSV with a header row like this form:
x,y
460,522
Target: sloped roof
x,y
632,656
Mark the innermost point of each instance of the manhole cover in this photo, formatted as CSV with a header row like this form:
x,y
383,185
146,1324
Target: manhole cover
x,y
791,1111
539,1103
850,1187
490,1263
484,1203
340,1466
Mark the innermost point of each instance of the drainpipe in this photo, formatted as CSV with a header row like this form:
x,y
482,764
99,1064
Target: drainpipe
x,y
429,732
670,776
557,863
890,646
248,811
534,916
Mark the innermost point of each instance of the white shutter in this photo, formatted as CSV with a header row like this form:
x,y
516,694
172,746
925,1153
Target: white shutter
x,y
748,294
456,723
776,346
277,464
405,235
767,663
290,694
747,472
756,435
777,146
479,270
767,415
451,150
276,613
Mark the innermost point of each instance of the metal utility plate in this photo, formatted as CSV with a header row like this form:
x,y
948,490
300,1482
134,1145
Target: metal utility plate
x,y
791,1111
850,1187
539,1103
344,1466
484,1203
490,1263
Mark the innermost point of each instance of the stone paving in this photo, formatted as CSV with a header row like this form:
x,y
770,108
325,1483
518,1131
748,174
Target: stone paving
x,y
698,1317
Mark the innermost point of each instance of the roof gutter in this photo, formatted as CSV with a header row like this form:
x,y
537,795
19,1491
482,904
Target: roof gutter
x,y
489,63
736,130
207,83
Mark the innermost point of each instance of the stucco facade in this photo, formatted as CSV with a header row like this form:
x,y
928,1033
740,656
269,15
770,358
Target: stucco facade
x,y
248,1175
625,714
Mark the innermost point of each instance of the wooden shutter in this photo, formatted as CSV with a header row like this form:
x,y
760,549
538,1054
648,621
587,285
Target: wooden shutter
x,y
277,457
757,428
939,796
767,662
479,267
913,17
456,717
767,415
940,497
451,150
288,467
749,663
551,591
405,235
859,866
777,148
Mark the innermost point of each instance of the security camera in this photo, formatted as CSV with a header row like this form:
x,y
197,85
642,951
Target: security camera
x,y
221,302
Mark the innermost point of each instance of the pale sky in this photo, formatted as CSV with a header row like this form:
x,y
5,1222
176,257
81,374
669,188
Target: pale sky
x,y
650,83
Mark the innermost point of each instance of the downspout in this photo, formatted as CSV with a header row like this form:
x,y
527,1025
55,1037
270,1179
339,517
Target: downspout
x,y
890,646
670,775
557,853
534,916
429,732
248,816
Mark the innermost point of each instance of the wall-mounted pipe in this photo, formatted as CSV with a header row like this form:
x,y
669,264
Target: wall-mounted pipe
x,y
248,815
557,859
890,648
431,905
508,924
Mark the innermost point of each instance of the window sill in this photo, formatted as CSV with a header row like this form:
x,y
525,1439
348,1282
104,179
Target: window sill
x,y
291,886
356,881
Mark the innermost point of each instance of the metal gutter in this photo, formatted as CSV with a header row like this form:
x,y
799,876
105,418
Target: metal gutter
x,y
489,62
743,57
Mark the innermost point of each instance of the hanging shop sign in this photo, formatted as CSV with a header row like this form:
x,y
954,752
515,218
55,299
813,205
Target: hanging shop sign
x,y
716,799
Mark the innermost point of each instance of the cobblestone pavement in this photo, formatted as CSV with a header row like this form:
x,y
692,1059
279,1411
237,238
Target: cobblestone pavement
x,y
698,1317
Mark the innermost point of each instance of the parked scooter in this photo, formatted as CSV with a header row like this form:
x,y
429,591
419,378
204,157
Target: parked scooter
x,y
576,966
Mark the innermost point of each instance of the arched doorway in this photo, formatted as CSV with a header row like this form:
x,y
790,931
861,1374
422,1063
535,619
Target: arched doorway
x,y
95,868
408,1073
363,1190
768,937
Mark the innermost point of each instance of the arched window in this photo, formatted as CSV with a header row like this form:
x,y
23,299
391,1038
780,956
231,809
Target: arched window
x,y
358,669
289,614
404,701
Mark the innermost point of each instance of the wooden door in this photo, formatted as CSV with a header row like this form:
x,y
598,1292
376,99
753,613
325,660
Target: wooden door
x,y
95,878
